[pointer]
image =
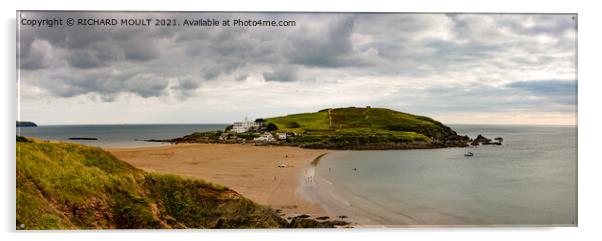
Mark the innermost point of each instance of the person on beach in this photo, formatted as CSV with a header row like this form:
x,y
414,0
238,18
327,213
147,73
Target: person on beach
x,y
306,179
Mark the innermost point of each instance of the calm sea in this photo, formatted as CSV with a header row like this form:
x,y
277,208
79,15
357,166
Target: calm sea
x,y
115,135
530,180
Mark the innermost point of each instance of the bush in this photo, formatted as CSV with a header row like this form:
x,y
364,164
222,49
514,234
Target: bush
x,y
272,127
22,139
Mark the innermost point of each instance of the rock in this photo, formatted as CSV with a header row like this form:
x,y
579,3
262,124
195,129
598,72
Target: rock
x,y
457,140
298,222
480,140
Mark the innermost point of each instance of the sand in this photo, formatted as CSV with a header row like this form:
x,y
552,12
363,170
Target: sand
x,y
247,169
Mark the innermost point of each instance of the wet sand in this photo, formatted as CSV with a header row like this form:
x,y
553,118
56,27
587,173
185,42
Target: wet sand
x,y
250,170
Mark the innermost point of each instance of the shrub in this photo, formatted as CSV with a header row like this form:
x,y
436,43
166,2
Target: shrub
x,y
22,139
272,127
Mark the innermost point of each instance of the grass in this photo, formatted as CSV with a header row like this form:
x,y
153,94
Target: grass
x,y
361,126
317,121
71,186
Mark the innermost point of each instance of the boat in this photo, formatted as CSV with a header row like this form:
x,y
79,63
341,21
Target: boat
x,y
468,153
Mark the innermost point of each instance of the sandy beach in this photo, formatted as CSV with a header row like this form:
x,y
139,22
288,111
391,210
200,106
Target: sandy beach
x,y
250,170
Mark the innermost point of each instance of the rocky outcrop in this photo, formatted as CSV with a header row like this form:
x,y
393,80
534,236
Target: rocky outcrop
x,y
457,141
481,140
304,221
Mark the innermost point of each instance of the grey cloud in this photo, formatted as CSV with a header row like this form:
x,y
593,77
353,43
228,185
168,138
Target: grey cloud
x,y
211,73
281,75
36,56
107,85
329,48
85,59
140,51
113,61
146,85
186,87
105,46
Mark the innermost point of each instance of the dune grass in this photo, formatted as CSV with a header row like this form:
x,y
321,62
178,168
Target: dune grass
x,y
71,186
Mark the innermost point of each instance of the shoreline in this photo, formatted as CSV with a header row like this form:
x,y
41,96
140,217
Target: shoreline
x,y
273,176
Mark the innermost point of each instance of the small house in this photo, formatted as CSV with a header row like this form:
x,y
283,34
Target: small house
x,y
265,137
282,136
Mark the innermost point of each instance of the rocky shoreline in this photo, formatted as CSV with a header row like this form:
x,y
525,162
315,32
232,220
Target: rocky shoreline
x,y
452,141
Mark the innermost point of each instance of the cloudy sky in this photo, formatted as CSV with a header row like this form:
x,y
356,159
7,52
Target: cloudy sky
x,y
457,68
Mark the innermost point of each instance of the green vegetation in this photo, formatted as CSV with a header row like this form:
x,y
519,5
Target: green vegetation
x,y
203,136
213,137
346,128
353,127
71,186
22,139
302,122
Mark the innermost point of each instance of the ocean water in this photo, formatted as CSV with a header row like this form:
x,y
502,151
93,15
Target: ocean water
x,y
528,181
116,135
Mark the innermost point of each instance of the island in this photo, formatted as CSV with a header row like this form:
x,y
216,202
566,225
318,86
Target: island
x,y
26,124
83,138
351,128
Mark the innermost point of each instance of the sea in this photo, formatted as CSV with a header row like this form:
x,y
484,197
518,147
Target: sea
x,y
530,180
125,135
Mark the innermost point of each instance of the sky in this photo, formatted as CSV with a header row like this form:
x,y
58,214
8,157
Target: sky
x,y
456,68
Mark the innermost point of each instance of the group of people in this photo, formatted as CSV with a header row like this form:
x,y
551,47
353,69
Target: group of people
x,y
309,176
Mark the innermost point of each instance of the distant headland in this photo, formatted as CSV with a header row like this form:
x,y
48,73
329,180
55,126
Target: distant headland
x,y
353,128
26,124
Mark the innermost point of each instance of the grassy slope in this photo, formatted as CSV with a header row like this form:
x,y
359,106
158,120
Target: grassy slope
x,y
377,125
70,186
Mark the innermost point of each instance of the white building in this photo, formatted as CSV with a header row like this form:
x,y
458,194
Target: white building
x,y
266,136
244,126
282,136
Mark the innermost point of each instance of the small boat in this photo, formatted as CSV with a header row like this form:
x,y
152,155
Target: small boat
x,y
281,165
468,154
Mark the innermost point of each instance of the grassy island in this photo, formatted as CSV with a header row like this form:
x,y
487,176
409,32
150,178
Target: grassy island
x,y
343,128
